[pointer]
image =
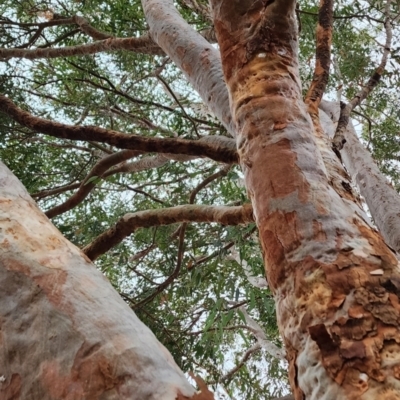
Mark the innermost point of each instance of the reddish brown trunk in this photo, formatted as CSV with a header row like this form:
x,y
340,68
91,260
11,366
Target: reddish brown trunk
x,y
335,282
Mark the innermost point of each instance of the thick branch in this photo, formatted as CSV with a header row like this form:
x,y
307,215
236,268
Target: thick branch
x,y
209,146
199,61
167,216
382,199
143,45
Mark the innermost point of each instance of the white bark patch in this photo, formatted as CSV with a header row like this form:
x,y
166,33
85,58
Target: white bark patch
x,y
377,272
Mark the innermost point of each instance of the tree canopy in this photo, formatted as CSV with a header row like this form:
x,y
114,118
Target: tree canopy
x,y
120,151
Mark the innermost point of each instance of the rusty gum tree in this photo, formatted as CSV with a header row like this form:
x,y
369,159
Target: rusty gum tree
x,y
120,147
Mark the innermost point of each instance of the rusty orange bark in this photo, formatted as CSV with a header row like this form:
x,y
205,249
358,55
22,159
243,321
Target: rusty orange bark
x,y
335,282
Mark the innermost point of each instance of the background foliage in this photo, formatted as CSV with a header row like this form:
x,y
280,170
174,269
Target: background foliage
x,y
197,316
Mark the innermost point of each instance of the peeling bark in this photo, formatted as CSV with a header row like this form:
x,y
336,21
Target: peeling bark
x,y
334,279
198,60
56,340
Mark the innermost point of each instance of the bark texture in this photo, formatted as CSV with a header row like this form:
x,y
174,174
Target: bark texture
x,y
335,281
218,148
199,61
382,199
142,45
65,333
224,215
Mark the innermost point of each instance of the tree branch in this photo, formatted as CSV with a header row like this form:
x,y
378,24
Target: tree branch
x,y
215,147
345,109
322,56
90,181
228,376
262,340
142,45
193,55
187,213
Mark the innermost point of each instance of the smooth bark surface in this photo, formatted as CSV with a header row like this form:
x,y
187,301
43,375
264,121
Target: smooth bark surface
x,y
198,60
65,332
334,280
382,199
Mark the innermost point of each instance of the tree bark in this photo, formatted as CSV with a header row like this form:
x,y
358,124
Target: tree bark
x,y
197,59
225,215
65,332
335,281
382,199
218,148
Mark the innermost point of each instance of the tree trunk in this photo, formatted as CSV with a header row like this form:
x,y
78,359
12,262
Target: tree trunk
x,y
335,282
65,333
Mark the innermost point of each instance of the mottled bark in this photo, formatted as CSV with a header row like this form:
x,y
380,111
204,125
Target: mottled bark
x,y
214,147
382,199
166,216
65,332
198,60
335,282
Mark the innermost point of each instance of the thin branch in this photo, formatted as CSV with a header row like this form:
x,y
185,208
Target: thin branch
x,y
262,340
187,213
345,109
161,287
228,376
208,180
90,181
171,92
345,16
59,39
219,251
216,148
53,22
89,29
50,192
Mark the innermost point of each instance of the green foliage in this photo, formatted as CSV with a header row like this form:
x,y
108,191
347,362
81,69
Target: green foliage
x,y
196,316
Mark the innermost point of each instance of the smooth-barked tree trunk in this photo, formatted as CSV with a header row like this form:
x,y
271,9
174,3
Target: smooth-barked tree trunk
x,y
335,281
65,333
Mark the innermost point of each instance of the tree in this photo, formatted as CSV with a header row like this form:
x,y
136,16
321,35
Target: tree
x,y
100,126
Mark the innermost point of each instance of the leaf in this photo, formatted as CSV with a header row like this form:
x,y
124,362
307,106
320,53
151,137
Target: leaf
x,y
93,179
